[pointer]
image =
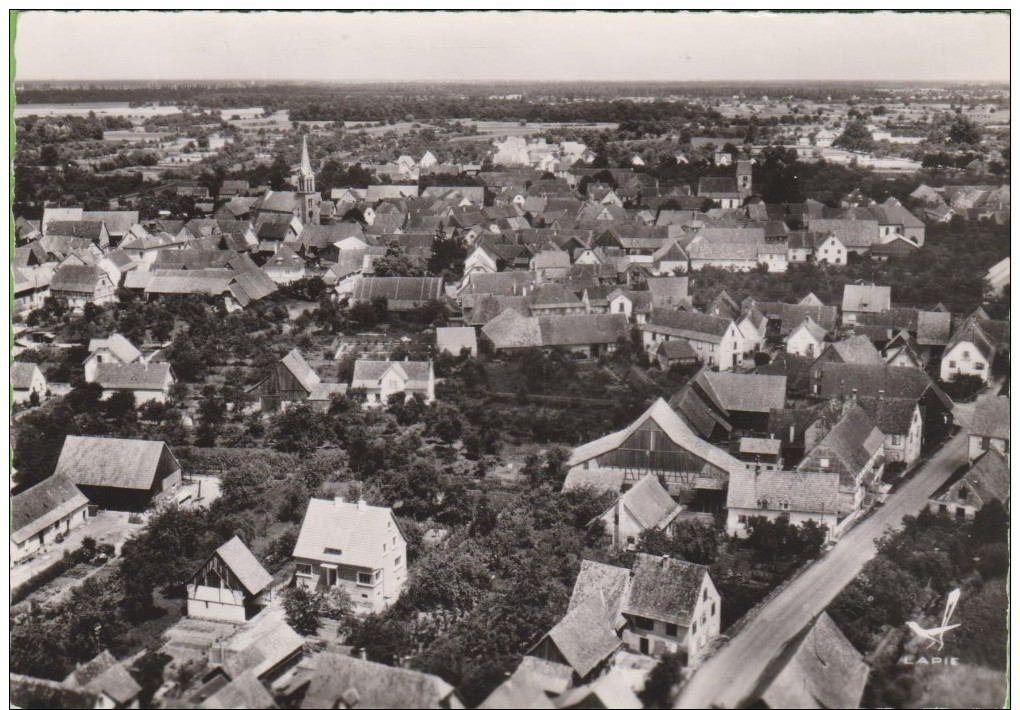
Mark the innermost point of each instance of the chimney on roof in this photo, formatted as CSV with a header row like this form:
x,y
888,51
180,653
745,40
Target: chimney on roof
x,y
664,560
338,500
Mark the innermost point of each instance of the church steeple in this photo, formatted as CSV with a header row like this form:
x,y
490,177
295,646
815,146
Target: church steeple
x,y
309,200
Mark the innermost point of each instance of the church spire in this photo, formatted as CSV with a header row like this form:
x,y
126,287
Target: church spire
x,y
306,164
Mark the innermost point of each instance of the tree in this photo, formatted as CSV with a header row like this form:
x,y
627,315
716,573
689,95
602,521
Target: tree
x,y
964,131
856,137
303,609
663,681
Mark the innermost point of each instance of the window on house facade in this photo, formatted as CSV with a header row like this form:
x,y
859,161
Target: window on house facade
x,y
963,493
985,443
965,354
897,440
742,519
396,561
365,578
952,364
961,512
979,366
643,623
305,570
785,505
671,630
713,608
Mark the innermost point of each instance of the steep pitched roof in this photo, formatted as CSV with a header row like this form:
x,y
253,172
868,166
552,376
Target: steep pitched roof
x,y
133,376
650,503
76,278
102,461
584,638
987,479
105,675
672,425
819,668
854,233
866,298
42,505
816,331
664,588
345,533
804,492
295,362
535,681
369,373
347,681
698,326
737,392
582,329
510,329
852,442
244,691
29,692
856,350
991,418
248,570
933,327
891,415
21,375
121,347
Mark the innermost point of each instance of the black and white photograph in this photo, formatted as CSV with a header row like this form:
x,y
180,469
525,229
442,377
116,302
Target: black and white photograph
x,y
509,359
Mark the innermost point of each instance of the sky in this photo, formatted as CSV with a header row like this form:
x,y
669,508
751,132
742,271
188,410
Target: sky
x,y
522,46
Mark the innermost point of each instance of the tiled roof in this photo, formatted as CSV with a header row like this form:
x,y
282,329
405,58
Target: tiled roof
x,y
101,461
369,373
76,278
819,668
582,329
346,681
852,443
987,479
698,326
29,692
133,376
839,379
358,531
805,492
505,283
933,327
672,425
854,233
600,479
601,583
398,288
248,286
856,350
991,418
736,392
260,646
248,570
510,329
295,362
453,339
105,675
866,298
42,505
649,503
244,691
753,446
480,310
82,229
891,415
663,588
21,375
584,638
117,344
715,185
324,235
535,681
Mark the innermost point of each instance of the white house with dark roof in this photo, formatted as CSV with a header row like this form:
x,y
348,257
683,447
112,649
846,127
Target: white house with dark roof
x,y
148,382
231,585
807,339
716,340
671,606
107,678
27,379
120,474
970,351
989,427
796,495
646,506
51,507
380,379
865,298
965,493
354,546
115,349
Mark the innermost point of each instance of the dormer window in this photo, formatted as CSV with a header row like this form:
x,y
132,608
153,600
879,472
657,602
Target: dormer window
x,y
785,505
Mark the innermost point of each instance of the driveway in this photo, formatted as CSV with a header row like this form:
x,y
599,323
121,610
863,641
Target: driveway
x,y
726,679
108,526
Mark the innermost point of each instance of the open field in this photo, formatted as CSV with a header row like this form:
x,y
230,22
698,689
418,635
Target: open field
x,y
102,108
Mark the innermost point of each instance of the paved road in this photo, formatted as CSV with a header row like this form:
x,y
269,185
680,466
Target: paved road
x,y
726,679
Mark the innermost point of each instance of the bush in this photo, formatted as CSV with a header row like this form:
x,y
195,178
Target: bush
x,y
962,388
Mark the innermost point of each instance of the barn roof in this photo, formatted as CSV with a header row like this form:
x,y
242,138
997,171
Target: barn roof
x,y
43,504
118,463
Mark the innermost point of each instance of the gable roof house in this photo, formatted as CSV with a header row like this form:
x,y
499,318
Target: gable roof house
x,y
381,379
266,647
291,380
966,492
27,379
659,442
645,506
535,684
852,448
77,285
231,585
354,546
856,235
113,349
51,507
402,293
671,606
147,381
855,350
865,298
120,474
818,668
807,339
989,427
583,639
107,678
332,680
716,340
589,335
724,405
973,348
95,231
